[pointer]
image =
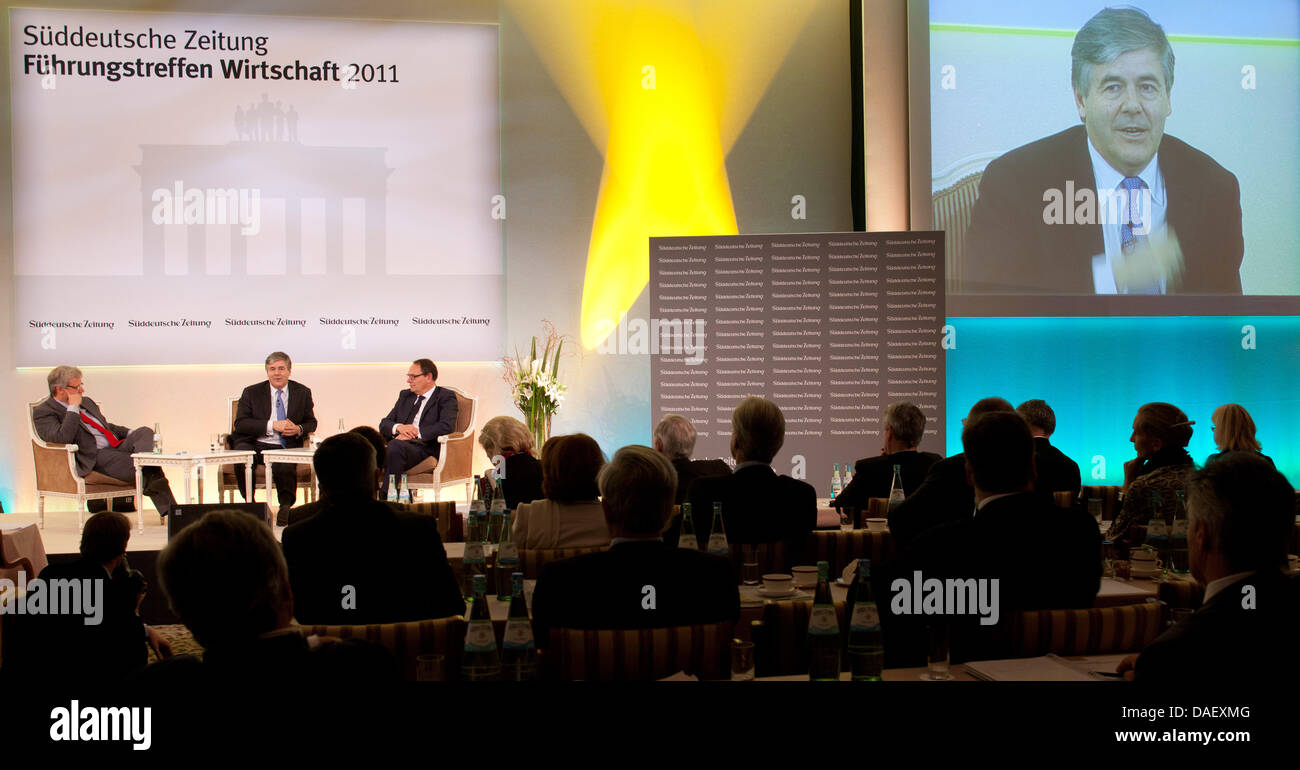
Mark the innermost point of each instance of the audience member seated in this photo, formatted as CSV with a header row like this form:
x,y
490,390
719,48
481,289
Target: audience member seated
x,y
945,495
758,506
904,426
608,589
1240,516
1234,431
510,439
65,649
1043,556
1056,471
1160,435
377,441
227,580
569,516
357,561
674,437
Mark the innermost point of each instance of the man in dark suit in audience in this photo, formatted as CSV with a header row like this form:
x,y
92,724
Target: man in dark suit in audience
x,y
874,476
276,414
1042,556
357,561
945,495
1056,472
1241,512
674,437
640,582
226,579
758,506
422,414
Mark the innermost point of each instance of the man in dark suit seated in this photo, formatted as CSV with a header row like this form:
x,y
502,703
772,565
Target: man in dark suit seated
x,y
1241,511
423,412
69,417
108,641
276,414
758,506
674,437
945,496
640,582
1042,556
874,476
357,561
1056,472
227,580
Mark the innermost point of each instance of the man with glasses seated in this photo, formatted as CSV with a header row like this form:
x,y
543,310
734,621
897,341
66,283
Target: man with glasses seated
x,y
423,412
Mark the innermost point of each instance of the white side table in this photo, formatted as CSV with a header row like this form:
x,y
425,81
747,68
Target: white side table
x,y
301,456
185,462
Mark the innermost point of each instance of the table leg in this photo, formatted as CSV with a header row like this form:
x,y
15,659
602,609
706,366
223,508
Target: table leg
x,y
201,467
185,469
139,497
248,478
268,483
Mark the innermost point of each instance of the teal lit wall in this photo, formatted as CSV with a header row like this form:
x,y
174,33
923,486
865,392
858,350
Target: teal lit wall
x,y
1096,372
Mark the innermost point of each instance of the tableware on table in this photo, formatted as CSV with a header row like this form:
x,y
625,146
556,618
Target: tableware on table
x,y
805,577
430,668
1094,509
1144,563
775,584
877,525
742,661
937,654
1293,561
1179,614
749,564
1123,569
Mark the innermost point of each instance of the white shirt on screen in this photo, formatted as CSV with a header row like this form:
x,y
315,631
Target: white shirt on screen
x,y
416,419
1112,212
270,437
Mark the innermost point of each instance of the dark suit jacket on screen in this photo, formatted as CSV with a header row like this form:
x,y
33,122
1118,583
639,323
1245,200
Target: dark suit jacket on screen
x,y
395,562
1010,250
943,497
1056,472
874,476
1223,642
255,408
758,506
438,418
605,589
54,423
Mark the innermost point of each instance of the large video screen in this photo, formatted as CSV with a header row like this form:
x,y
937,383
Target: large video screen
x,y
1131,161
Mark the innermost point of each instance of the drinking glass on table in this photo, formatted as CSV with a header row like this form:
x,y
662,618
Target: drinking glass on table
x,y
430,668
749,564
1122,569
1094,509
742,660
938,653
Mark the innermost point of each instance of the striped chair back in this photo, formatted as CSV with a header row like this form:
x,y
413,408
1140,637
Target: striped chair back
x,y
1104,631
443,636
451,526
840,548
1109,497
784,637
1181,594
1064,499
644,654
534,559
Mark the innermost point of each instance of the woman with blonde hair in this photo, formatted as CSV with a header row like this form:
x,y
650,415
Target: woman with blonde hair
x,y
509,445
1152,480
1234,431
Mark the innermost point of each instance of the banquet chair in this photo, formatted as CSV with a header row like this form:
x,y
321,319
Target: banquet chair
x,y
1065,499
56,475
784,636
406,641
643,654
533,560
1181,594
227,486
952,213
840,548
1097,631
455,462
451,525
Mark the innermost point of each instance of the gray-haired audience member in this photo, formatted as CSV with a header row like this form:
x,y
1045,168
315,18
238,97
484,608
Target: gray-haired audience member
x,y
675,436
1241,513
904,427
640,582
1056,472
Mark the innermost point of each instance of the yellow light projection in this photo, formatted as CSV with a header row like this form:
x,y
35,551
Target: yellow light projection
x,y
663,88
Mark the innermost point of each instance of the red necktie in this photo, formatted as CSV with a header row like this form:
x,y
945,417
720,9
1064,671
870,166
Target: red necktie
x,y
113,441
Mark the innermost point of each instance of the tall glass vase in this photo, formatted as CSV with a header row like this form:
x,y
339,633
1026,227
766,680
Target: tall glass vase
x,y
539,423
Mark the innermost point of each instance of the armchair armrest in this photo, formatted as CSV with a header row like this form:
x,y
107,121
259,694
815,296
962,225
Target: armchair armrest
x,y
451,437
56,467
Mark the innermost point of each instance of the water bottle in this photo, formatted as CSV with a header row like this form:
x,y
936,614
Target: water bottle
x,y
157,439
1179,561
507,558
718,545
392,488
518,649
481,660
837,483
896,494
866,646
823,631
403,493
686,538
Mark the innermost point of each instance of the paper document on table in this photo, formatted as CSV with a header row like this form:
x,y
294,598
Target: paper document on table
x,y
1048,668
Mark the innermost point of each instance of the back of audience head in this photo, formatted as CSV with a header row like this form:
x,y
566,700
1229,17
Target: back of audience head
x,y
346,466
104,538
637,489
907,423
569,467
1234,430
675,437
999,453
377,441
1038,416
986,406
226,579
1161,426
757,430
505,435
1242,510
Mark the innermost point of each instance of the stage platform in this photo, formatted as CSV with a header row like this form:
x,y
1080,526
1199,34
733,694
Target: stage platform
x,y
62,535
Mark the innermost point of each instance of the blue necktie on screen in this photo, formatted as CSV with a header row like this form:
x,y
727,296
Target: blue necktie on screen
x,y
1129,240
279,411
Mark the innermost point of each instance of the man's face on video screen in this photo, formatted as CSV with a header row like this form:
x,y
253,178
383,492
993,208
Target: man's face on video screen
x,y
1125,109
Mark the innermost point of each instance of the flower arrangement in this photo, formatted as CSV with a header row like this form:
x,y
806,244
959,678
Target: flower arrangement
x,y
535,383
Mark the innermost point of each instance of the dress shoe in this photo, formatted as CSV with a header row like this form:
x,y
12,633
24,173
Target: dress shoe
x,y
282,516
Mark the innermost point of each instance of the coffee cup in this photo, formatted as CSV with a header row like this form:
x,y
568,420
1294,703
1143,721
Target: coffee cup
x,y
877,525
777,583
805,577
